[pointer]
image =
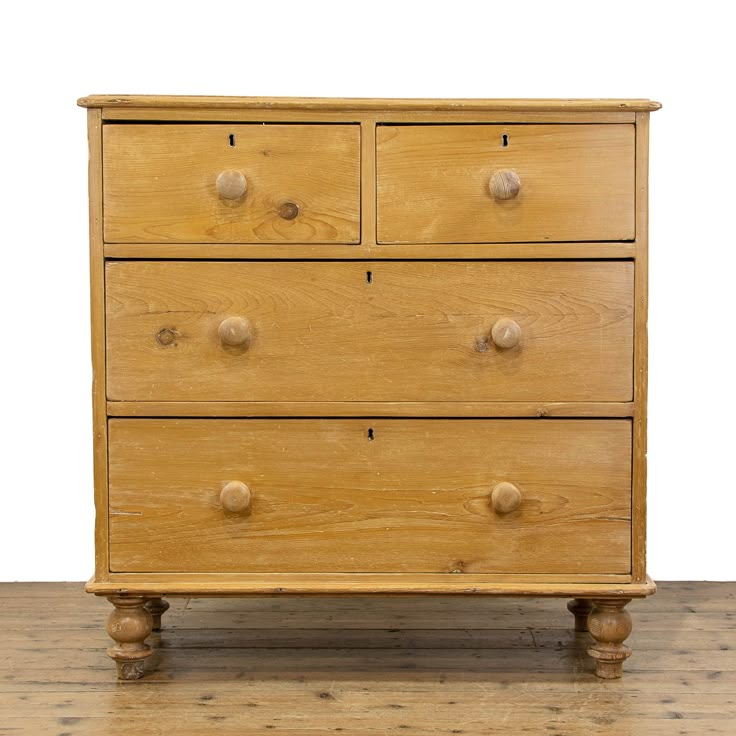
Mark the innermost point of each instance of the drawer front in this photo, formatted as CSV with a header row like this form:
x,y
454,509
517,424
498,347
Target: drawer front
x,y
451,184
355,495
231,183
368,331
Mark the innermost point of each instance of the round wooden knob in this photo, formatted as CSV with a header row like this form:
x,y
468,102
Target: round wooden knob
x,y
505,498
231,184
505,184
235,331
506,333
235,497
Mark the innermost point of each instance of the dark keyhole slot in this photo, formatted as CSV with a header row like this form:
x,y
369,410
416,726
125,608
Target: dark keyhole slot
x,y
370,434
232,140
369,277
505,140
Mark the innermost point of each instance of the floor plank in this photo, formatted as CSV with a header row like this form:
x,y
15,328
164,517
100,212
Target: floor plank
x,y
367,665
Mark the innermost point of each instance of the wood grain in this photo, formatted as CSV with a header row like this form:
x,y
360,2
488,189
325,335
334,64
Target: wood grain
x,y
97,331
160,183
380,251
481,409
711,598
263,115
367,183
370,496
302,104
227,584
417,332
578,183
368,666
641,310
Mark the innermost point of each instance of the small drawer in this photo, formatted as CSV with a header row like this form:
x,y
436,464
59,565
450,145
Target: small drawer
x,y
354,495
505,183
231,183
369,331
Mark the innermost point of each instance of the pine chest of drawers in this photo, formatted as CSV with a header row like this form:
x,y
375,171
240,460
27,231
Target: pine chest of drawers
x,y
369,346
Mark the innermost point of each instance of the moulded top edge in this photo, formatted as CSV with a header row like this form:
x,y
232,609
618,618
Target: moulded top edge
x,y
367,104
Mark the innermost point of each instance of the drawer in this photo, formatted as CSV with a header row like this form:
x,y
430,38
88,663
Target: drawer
x,y
369,331
355,495
231,183
505,183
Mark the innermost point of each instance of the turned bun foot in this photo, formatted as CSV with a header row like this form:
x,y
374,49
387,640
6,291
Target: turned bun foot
x,y
157,607
609,624
129,625
581,609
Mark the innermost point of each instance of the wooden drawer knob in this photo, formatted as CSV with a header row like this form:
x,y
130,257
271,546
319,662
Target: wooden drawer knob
x,y
235,497
506,333
235,331
231,184
505,184
505,498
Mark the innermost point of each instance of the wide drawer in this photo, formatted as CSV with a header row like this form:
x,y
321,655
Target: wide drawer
x,y
505,183
387,495
368,331
231,183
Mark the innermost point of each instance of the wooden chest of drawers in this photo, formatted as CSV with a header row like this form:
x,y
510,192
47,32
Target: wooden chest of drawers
x,y
369,346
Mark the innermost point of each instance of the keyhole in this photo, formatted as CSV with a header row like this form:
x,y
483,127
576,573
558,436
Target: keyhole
x,y
370,434
504,140
232,140
369,277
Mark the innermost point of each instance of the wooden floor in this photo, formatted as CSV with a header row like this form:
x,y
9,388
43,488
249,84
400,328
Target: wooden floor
x,y
434,665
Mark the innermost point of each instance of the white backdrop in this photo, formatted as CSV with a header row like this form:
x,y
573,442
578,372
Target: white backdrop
x,y
53,53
